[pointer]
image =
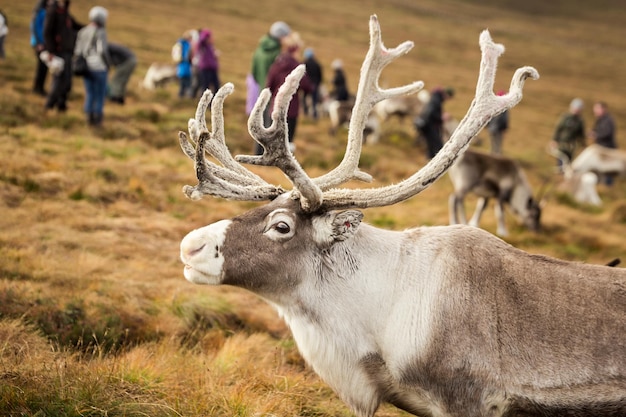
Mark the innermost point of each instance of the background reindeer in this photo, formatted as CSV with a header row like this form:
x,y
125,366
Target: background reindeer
x,y
601,161
580,185
492,176
158,75
439,321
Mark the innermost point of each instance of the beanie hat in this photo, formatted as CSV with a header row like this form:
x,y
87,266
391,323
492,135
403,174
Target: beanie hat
x,y
279,30
576,104
98,14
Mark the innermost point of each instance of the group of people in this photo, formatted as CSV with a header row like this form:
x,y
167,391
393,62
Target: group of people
x,y
570,134
275,57
197,63
58,39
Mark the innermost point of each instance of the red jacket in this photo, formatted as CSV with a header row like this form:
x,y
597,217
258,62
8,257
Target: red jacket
x,y
282,66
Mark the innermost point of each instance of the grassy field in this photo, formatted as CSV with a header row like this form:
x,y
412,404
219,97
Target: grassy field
x,y
95,316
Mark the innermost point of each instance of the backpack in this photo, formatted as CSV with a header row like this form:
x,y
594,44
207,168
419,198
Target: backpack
x,y
177,52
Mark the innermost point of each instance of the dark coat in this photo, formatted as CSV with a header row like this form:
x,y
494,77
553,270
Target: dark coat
x,y
569,132
340,86
282,66
60,30
313,71
604,131
119,54
430,123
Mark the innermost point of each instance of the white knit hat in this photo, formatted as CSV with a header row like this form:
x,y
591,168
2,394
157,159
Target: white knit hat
x,y
576,105
279,30
98,14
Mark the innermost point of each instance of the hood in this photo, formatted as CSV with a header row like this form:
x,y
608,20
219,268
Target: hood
x,y
269,44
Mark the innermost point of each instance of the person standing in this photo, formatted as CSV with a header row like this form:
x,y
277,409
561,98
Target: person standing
x,y
207,62
92,44
340,85
603,132
37,43
124,61
496,128
268,48
183,54
4,30
430,121
570,131
314,72
60,30
284,64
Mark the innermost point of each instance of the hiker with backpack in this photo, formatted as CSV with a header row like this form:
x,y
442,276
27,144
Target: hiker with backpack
x,y
182,55
92,44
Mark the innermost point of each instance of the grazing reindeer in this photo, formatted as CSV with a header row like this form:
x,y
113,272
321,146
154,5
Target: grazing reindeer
x,y
581,185
444,321
492,176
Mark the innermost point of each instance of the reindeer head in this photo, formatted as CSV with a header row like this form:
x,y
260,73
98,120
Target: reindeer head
x,y
271,249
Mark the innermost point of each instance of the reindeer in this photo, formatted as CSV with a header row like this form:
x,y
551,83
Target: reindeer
x,y
581,184
158,75
441,321
492,176
601,160
403,106
340,112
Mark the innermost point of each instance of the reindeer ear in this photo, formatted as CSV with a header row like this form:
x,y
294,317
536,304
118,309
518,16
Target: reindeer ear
x,y
344,224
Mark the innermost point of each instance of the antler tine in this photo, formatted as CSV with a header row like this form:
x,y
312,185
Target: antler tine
x,y
216,146
274,140
368,94
231,180
484,107
210,182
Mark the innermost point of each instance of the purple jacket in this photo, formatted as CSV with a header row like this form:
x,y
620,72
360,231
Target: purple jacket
x,y
282,66
205,52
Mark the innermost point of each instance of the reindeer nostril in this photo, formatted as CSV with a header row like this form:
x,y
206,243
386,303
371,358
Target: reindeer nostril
x,y
195,251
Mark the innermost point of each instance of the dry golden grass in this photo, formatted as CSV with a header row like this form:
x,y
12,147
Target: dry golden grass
x,y
95,317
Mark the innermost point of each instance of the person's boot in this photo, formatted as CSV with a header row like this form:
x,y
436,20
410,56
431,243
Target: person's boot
x,y
97,119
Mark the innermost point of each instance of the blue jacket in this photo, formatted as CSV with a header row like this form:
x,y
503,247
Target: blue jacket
x,y
183,68
36,27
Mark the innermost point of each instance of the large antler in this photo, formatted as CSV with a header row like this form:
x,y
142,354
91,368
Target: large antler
x,y
231,180
484,107
273,139
368,94
235,182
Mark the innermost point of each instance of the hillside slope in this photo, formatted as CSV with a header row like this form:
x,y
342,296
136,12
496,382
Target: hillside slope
x,y
95,315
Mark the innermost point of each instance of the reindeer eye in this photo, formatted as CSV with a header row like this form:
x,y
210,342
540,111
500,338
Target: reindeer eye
x,y
282,227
